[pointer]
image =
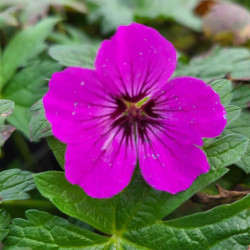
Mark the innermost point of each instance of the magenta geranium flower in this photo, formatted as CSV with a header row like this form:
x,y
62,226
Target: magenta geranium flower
x,y
127,110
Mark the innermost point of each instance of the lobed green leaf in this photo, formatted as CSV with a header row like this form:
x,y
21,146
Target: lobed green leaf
x,y
241,96
45,231
25,45
26,88
226,150
233,113
14,184
224,89
135,206
221,227
4,222
74,55
58,149
242,126
224,227
236,62
39,127
6,109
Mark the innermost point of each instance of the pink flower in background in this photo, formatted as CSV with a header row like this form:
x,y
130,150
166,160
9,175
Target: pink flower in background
x,y
127,110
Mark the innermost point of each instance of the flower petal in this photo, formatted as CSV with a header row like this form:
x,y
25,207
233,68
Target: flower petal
x,y
75,101
169,165
135,61
190,102
102,167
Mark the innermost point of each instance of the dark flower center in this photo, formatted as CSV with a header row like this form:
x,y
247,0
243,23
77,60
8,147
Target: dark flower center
x,y
135,119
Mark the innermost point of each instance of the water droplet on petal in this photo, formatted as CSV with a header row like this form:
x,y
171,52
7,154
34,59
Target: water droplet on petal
x,y
73,113
140,53
82,83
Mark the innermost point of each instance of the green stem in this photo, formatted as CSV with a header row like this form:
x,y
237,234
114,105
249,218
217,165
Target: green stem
x,y
41,204
24,150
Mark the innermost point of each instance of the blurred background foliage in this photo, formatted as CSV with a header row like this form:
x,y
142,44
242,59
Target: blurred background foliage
x,y
212,38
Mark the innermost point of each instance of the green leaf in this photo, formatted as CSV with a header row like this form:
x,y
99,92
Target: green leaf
x,y
74,202
181,11
217,64
45,231
72,35
221,226
39,126
21,118
233,113
224,227
29,11
6,109
224,89
30,84
4,222
58,149
24,46
26,88
242,126
226,150
14,185
137,205
141,205
74,55
7,18
112,13
241,96
4,219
